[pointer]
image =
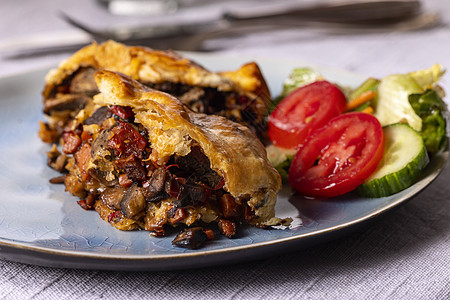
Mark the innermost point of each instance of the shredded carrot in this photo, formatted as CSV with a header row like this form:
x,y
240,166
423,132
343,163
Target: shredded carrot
x,y
359,100
368,110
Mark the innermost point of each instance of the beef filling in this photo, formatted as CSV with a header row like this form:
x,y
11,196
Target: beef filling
x,y
112,174
234,106
76,92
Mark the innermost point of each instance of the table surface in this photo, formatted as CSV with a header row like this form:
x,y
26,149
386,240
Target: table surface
x,y
404,254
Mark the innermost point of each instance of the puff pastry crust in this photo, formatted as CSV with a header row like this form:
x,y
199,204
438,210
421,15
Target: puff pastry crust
x,y
240,95
142,160
234,151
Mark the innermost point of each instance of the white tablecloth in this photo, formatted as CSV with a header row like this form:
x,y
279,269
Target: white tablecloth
x,y
403,255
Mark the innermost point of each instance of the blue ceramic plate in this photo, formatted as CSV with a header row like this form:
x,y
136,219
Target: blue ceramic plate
x,y
41,224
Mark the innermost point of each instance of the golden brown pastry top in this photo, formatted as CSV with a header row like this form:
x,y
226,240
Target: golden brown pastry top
x,y
234,151
148,65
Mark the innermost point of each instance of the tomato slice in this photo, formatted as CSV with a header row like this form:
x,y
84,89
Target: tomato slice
x,y
339,156
304,110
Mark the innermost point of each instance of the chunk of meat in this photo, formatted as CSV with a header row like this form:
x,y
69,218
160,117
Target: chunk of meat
x,y
123,112
82,158
155,186
124,181
230,209
132,167
191,194
99,149
71,142
227,228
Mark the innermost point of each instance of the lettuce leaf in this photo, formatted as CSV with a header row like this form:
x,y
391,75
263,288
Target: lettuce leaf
x,y
300,77
283,168
392,103
431,109
428,78
281,160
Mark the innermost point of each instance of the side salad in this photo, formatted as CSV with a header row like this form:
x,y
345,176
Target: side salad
x,y
376,139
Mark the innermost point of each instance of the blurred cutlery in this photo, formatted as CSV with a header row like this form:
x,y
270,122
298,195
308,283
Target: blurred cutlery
x,y
353,14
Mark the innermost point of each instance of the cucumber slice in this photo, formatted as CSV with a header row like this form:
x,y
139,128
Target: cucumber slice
x,y
405,156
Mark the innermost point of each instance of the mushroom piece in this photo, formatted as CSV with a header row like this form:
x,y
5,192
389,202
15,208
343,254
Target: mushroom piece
x,y
191,238
99,116
157,181
112,197
99,148
133,202
104,177
105,170
83,82
65,102
155,186
56,160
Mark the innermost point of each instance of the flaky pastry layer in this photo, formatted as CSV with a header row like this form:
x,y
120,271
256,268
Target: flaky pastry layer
x,y
234,151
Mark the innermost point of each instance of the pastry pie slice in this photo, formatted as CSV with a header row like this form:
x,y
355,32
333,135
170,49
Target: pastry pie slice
x,y
240,95
143,161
